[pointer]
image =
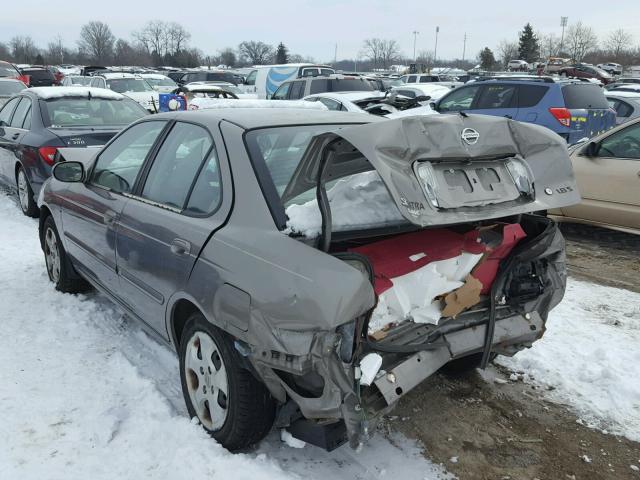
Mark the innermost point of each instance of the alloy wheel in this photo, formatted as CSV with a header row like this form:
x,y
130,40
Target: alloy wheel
x,y
206,380
23,190
52,255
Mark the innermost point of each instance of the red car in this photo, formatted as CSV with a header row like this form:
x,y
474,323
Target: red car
x,y
586,71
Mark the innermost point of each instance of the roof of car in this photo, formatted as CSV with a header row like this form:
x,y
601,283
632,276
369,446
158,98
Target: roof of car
x,y
109,75
59,92
154,76
623,94
249,118
349,96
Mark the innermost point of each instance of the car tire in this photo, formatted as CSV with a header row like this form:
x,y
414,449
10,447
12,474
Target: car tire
x,y
59,267
463,366
242,415
25,195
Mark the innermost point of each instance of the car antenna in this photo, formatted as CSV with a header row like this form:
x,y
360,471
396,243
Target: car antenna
x,y
89,95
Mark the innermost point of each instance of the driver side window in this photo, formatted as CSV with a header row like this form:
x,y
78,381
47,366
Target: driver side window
x,y
282,91
459,99
119,163
623,144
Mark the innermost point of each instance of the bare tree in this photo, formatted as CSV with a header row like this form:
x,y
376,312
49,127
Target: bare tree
x,y
154,37
97,41
227,57
618,41
177,36
580,40
507,51
256,52
23,49
549,45
381,52
56,50
425,57
4,51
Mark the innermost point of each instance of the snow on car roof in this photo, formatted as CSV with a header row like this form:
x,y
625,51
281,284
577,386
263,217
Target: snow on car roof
x,y
211,103
153,76
349,96
59,92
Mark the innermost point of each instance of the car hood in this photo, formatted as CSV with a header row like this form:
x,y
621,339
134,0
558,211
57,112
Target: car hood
x,y
436,177
142,96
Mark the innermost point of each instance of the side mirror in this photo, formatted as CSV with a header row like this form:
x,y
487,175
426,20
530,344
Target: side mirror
x,y
68,172
591,150
433,106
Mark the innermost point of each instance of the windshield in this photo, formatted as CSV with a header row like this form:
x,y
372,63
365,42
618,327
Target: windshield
x,y
232,89
122,85
161,82
8,88
84,112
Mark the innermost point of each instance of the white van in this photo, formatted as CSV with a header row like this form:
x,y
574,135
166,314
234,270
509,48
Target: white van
x,y
266,79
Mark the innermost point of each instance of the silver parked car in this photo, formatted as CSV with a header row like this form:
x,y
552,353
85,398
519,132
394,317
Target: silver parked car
x,y
312,267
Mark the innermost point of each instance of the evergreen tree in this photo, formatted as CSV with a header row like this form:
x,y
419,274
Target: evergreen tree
x,y
487,59
528,49
282,54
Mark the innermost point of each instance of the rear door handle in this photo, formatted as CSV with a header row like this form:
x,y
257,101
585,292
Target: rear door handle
x,y
180,247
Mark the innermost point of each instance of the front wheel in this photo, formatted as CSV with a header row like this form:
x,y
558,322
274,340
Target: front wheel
x,y
25,194
231,404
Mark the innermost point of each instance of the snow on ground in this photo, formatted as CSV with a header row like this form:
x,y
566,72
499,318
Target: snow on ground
x,y
590,357
86,394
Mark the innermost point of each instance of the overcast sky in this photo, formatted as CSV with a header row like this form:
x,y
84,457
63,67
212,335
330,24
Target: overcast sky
x,y
314,27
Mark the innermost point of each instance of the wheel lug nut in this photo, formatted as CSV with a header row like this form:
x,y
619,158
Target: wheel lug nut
x,y
202,370
204,389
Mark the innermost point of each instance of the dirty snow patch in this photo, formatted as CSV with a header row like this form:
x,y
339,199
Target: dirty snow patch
x,y
590,355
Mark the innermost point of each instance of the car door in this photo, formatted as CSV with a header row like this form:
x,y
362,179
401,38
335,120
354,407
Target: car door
x,y
609,182
497,99
169,219
7,155
91,210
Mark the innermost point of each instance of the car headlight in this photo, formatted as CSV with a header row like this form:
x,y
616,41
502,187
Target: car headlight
x,y
520,175
429,182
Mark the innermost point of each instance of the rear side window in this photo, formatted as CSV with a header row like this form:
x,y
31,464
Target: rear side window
x,y
281,93
530,95
349,85
497,96
207,192
251,78
319,86
411,79
177,164
584,96
21,113
5,113
297,90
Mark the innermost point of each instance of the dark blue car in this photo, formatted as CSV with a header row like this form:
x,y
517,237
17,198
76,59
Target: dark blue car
x,y
572,109
36,122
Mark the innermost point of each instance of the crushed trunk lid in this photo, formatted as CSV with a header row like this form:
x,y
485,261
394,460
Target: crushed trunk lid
x,y
448,169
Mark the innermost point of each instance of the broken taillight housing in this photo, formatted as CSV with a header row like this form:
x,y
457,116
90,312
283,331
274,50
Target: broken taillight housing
x,y
429,182
563,115
520,175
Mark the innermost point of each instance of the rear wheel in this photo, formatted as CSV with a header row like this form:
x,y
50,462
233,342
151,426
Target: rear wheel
x,y
231,404
59,267
25,195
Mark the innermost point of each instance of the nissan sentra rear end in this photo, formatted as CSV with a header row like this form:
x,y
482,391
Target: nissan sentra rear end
x,y
420,245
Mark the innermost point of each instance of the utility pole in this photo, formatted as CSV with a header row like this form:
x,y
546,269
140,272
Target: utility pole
x,y
563,23
335,56
464,46
415,35
435,50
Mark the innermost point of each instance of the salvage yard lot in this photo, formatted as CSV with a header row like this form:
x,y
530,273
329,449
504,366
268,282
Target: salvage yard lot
x,y
88,395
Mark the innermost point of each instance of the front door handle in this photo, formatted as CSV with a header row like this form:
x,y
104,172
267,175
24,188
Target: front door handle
x,y
508,116
180,247
109,217
15,136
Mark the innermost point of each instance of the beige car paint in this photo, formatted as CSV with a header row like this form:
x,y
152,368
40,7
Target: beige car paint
x,y
610,187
